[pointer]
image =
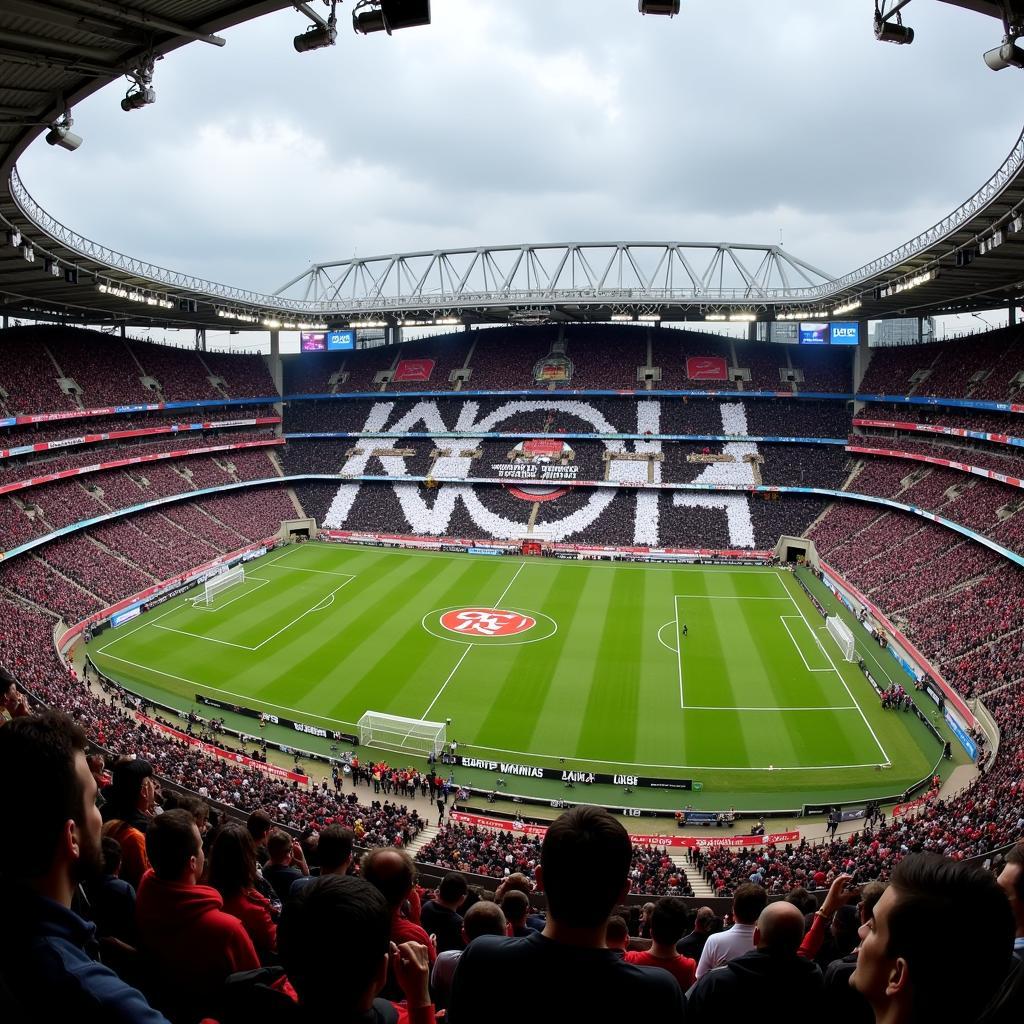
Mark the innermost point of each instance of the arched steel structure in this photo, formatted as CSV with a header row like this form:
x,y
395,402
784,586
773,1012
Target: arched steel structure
x,y
971,259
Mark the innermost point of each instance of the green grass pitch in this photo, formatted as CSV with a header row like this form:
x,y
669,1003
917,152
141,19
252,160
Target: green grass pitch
x,y
755,701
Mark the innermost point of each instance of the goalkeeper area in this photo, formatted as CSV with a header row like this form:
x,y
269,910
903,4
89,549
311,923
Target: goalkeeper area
x,y
723,675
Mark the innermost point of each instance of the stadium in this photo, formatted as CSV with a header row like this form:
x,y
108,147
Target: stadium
x,y
696,533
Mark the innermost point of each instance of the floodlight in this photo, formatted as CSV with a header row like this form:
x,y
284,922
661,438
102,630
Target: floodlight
x,y
669,7
1007,55
389,15
139,98
61,135
892,31
316,37
14,238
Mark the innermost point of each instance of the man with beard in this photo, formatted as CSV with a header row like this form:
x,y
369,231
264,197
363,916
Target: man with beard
x,y
47,952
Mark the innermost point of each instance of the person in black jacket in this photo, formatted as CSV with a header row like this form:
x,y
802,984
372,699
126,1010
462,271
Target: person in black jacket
x,y
770,975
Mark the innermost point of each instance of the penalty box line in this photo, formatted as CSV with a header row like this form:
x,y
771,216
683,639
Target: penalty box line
x,y
885,757
799,650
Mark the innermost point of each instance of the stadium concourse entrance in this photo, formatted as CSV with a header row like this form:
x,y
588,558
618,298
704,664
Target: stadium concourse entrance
x,y
797,550
297,529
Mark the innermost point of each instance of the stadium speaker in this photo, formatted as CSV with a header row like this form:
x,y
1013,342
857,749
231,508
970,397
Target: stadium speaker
x,y
965,257
667,7
71,275
187,306
1008,55
389,15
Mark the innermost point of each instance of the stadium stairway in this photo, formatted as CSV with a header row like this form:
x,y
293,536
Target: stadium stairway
x,y
701,889
428,833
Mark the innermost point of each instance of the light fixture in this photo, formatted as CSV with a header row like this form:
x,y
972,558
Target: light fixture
x,y
649,318
990,243
60,134
667,7
141,92
389,15
1006,55
14,238
908,282
28,254
746,318
367,323
621,317
848,307
52,267
320,34
715,316
889,31
415,323
447,321
271,323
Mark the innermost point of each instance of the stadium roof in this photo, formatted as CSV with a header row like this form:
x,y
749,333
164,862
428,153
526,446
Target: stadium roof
x,y
54,53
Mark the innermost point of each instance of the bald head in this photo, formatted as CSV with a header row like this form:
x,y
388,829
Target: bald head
x,y
779,928
392,871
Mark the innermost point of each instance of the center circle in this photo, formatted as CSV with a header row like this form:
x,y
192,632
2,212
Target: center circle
x,y
482,624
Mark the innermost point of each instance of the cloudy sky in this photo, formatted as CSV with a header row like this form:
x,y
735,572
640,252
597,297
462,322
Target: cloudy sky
x,y
542,120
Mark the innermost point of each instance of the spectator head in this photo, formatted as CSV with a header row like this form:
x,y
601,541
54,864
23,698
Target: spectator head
x,y
175,848
645,914
279,847
1011,881
616,933
111,855
483,918
333,940
747,903
668,920
517,880
869,896
704,921
584,867
133,788
392,872
334,849
259,825
515,905
903,963
802,900
232,860
779,929
453,889
51,795
845,926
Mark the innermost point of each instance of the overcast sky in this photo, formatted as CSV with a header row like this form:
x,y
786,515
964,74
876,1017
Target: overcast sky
x,y
542,120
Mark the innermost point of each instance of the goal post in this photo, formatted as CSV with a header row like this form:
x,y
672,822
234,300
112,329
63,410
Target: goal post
x,y
218,584
843,636
405,735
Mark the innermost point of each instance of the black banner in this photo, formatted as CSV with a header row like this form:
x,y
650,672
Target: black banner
x,y
572,777
288,723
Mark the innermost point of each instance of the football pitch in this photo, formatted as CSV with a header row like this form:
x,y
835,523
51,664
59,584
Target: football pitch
x,y
723,675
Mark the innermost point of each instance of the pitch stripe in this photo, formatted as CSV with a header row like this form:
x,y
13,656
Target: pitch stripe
x,y
842,678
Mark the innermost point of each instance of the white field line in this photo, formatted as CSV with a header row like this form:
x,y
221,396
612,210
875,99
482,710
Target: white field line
x,y
732,707
298,568
129,632
678,767
799,650
728,597
462,657
444,685
885,756
325,602
679,649
201,606
248,698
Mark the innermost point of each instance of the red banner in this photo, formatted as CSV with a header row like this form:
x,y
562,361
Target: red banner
x,y
964,467
543,446
64,474
676,842
413,369
118,435
707,368
224,755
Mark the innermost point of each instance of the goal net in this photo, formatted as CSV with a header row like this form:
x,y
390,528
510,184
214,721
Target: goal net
x,y
218,584
392,732
842,635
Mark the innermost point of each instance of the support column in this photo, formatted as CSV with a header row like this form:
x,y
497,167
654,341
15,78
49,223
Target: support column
x,y
276,368
1011,318
122,331
862,356
752,331
200,339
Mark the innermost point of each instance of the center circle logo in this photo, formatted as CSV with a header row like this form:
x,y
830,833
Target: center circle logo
x,y
487,622
481,624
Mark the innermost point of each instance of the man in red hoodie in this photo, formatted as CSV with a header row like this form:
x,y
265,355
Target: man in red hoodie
x,y
192,944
